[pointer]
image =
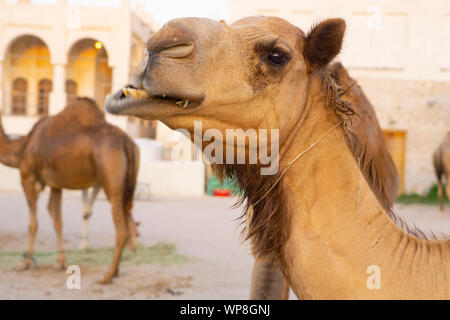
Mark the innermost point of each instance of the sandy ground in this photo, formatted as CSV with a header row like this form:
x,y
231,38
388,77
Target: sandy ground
x,y
203,229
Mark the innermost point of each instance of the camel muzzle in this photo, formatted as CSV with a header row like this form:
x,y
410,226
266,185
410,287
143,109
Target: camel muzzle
x,y
138,102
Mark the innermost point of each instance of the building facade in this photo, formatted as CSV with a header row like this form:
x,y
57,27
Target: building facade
x,y
399,52
49,54
52,53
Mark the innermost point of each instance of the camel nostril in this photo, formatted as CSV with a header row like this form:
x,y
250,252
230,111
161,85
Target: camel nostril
x,y
178,51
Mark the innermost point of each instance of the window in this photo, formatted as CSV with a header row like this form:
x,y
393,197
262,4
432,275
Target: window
x,y
19,97
71,91
44,88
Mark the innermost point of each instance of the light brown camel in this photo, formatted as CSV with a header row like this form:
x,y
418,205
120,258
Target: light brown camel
x,y
88,199
441,162
317,215
76,149
375,163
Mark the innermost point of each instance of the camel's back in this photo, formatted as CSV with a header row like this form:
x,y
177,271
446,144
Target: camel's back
x,y
79,120
371,150
67,146
79,115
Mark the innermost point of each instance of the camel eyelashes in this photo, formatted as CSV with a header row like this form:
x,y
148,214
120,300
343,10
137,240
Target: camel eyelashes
x,y
265,45
272,53
278,58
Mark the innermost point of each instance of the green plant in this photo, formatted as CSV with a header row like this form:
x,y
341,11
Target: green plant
x,y
431,198
161,253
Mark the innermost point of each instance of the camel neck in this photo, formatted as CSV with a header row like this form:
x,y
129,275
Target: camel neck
x,y
10,150
3,135
339,232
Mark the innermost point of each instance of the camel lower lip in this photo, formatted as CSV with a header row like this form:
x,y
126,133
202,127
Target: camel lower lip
x,y
129,101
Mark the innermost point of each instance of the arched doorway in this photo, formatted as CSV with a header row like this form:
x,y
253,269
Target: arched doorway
x,y
88,69
27,64
44,89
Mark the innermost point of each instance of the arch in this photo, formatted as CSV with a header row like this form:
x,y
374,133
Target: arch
x,y
18,37
71,91
28,58
87,65
19,96
86,40
44,89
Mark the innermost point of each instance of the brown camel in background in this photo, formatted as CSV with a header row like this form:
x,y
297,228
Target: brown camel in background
x,y
88,199
317,215
76,149
441,162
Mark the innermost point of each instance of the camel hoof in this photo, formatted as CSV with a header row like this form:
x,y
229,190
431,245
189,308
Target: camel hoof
x,y
132,247
132,244
28,262
105,281
61,266
22,268
83,245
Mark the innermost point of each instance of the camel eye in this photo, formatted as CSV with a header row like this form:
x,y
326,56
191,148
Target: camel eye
x,y
278,58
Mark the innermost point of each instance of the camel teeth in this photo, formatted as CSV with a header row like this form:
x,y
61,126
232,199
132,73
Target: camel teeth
x,y
182,103
142,93
163,95
132,92
135,93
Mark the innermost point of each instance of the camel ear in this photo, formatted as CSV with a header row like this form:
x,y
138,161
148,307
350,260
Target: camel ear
x,y
324,42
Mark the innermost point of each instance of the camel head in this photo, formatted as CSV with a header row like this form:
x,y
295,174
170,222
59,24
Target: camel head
x,y
251,74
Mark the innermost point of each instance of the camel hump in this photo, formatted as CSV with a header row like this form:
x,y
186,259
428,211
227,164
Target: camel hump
x,y
83,111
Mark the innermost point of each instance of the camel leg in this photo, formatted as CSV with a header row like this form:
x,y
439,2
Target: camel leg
x,y
440,195
113,169
54,207
132,243
31,193
268,282
122,233
88,203
447,190
86,215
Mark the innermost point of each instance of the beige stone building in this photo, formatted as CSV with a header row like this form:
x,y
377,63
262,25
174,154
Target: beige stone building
x,y
51,53
399,51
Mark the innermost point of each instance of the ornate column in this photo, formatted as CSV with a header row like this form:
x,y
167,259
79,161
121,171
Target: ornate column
x,y
58,95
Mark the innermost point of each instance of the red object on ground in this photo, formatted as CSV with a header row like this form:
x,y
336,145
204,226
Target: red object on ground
x,y
221,192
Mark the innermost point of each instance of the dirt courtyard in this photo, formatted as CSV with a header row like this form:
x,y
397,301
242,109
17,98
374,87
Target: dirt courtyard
x,y
204,230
